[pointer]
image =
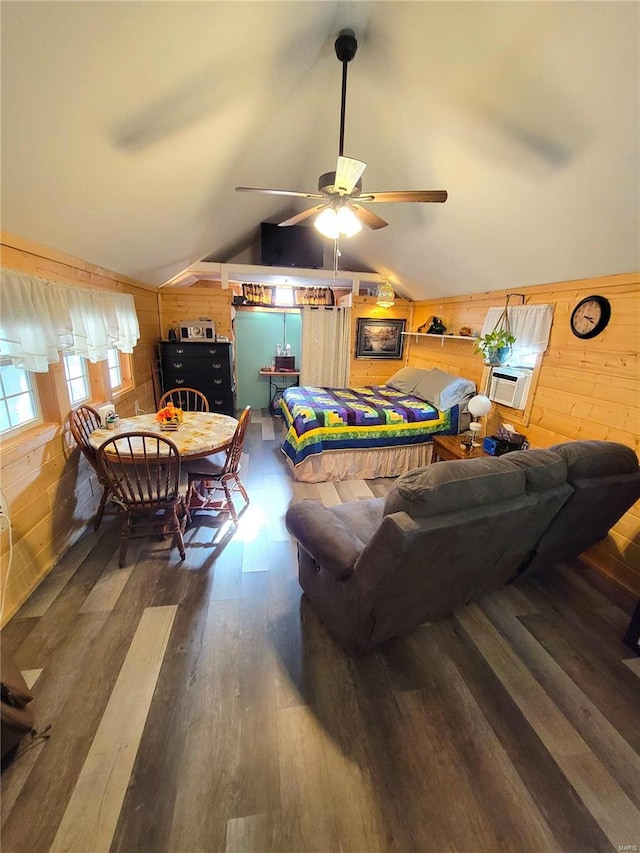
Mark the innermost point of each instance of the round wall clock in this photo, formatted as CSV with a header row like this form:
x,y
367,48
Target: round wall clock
x,y
590,316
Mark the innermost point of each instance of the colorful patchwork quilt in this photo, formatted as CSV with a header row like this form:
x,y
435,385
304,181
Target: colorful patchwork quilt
x,y
319,419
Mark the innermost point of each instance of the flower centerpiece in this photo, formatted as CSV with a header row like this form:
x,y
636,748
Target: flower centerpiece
x,y
170,417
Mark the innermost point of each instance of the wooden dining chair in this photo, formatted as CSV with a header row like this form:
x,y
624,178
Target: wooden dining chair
x,y
187,399
82,422
143,471
217,473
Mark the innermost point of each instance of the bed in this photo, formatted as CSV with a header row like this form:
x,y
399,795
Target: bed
x,y
371,431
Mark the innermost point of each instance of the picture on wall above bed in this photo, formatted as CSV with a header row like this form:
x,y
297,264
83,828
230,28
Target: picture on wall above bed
x,y
379,338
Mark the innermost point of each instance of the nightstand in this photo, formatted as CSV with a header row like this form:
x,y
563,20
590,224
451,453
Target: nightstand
x,y
446,447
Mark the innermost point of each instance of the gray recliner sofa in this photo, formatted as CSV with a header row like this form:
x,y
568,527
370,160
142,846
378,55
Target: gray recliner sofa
x,y
444,536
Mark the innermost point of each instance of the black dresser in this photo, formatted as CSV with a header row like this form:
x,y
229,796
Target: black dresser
x,y
205,366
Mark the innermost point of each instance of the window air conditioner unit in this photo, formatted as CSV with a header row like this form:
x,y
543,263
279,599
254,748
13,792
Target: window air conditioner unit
x,y
510,386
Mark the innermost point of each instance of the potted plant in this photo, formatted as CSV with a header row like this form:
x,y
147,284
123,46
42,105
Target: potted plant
x,y
495,346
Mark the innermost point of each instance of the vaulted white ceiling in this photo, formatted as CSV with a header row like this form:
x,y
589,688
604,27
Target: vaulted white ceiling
x,y
126,127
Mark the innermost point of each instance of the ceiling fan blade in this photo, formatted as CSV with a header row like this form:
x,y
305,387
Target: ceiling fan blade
x,y
371,220
304,215
405,195
292,193
348,173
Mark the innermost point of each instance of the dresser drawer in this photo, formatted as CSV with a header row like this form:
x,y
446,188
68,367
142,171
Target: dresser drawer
x,y
197,350
178,365
222,403
205,382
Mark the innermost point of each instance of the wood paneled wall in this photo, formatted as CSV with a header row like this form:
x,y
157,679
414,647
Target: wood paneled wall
x,y
208,299
375,371
202,299
51,490
583,389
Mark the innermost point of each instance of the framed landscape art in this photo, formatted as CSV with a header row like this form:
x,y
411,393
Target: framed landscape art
x,y
379,338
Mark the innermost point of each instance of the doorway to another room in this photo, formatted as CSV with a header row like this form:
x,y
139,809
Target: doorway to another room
x,y
257,336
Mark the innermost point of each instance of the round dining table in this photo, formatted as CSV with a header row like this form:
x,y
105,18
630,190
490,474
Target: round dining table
x,y
200,434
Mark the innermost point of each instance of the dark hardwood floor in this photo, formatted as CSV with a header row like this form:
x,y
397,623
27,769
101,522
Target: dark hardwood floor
x,y
202,706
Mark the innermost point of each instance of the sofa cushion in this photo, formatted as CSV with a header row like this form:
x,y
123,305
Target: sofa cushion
x,y
458,484
331,543
596,459
543,469
361,517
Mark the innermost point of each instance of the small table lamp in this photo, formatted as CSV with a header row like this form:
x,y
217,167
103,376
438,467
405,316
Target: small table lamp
x,y
478,406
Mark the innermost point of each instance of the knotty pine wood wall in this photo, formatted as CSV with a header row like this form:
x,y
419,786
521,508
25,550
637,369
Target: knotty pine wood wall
x,y
375,371
208,299
51,489
201,299
586,389
583,389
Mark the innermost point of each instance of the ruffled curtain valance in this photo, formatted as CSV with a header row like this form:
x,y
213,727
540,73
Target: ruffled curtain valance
x,y
39,318
529,324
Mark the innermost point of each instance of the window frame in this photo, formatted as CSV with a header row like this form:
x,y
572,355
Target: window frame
x,y
126,373
85,376
35,401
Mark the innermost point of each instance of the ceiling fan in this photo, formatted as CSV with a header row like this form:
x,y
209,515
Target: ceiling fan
x,y
341,210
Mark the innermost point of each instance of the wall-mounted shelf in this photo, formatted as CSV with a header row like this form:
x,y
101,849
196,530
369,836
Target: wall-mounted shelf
x,y
442,337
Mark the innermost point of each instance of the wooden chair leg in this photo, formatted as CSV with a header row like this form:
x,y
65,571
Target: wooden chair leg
x,y
103,502
177,536
124,540
242,490
232,509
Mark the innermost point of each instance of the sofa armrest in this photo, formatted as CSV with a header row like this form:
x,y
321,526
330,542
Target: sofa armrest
x,y
325,537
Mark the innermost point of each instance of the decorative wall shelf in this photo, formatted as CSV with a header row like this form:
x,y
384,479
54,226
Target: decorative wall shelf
x,y
442,337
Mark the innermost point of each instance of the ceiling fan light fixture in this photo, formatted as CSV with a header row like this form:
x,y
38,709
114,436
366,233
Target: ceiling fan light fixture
x,y
332,223
348,222
327,223
386,296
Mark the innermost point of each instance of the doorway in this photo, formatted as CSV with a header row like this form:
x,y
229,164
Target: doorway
x,y
257,333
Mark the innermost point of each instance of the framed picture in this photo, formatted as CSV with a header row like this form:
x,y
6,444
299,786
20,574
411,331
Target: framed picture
x,y
379,338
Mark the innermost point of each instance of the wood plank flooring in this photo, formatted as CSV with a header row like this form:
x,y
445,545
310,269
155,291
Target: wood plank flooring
x,y
202,706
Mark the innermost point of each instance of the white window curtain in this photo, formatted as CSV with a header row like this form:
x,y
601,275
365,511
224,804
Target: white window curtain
x,y
39,318
326,335
530,325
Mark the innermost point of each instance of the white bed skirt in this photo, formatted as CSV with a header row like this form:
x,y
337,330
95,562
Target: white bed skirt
x,y
361,464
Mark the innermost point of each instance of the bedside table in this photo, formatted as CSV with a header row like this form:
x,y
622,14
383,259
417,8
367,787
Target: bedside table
x,y
446,447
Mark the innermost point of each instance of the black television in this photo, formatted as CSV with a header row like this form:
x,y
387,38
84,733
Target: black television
x,y
291,246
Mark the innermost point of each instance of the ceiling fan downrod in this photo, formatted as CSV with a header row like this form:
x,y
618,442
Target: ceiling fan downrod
x,y
346,46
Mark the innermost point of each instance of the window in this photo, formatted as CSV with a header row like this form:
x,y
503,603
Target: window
x,y
522,359
115,371
18,400
284,296
77,376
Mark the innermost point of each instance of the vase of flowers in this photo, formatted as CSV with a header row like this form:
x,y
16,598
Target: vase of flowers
x,y
170,418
